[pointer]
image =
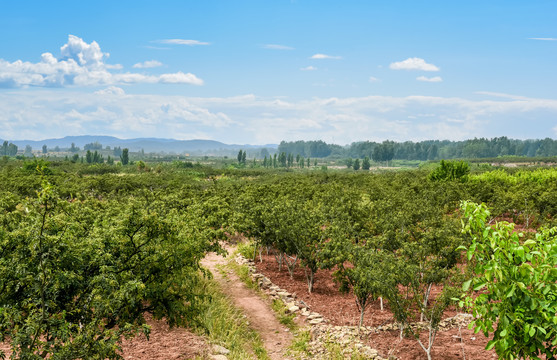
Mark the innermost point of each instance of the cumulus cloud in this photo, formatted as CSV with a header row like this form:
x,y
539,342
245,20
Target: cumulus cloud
x,y
413,64
308,68
147,64
111,90
430,79
324,56
79,64
182,42
277,47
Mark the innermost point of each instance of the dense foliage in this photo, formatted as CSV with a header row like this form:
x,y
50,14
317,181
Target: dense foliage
x,y
518,283
86,249
425,150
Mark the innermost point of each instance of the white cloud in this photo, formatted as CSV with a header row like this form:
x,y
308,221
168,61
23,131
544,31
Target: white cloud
x,y
430,79
413,64
373,79
544,39
79,64
147,64
308,68
503,95
111,90
277,47
324,56
182,42
44,113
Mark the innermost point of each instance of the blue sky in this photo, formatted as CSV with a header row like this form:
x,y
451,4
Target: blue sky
x,y
264,71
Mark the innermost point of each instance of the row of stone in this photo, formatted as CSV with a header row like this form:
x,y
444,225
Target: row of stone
x,y
321,333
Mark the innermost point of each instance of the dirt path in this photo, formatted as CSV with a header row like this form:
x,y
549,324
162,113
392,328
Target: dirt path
x,y
261,317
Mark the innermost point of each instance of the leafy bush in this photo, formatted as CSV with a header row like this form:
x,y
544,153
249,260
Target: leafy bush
x,y
518,284
450,170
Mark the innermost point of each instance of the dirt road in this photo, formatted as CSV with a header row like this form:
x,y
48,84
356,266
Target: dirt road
x,y
261,317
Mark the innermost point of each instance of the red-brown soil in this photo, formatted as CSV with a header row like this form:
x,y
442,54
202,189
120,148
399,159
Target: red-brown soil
x,y
341,309
163,343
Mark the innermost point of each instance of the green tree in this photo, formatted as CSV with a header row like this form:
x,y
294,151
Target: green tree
x,y
124,158
92,269
450,170
356,165
45,150
517,280
28,151
365,164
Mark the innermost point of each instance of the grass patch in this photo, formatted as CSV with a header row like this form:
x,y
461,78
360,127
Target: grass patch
x,y
301,341
247,249
243,274
225,325
283,316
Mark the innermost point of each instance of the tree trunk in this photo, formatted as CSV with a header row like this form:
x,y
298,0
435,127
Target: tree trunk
x,y
290,265
426,297
381,302
310,278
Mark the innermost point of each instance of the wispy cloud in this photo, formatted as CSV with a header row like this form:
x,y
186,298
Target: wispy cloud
x,y
182,42
309,68
543,39
430,79
373,79
47,113
277,47
503,95
325,56
80,64
413,64
147,64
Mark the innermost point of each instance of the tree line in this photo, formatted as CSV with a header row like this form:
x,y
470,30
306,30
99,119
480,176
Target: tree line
x,y
424,150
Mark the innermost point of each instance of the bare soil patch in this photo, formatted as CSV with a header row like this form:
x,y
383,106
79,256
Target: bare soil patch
x,y
164,343
341,309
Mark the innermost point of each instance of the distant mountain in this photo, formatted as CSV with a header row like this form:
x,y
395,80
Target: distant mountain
x,y
146,144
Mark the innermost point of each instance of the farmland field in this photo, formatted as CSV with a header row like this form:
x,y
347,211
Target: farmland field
x,y
87,251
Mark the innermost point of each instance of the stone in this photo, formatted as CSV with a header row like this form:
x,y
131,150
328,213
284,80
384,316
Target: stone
x,y
218,357
316,321
220,350
314,316
293,308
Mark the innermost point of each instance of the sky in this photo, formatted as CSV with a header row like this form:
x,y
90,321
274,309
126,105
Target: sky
x,y
258,72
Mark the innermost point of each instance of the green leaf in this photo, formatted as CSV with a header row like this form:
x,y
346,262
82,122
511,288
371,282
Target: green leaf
x,y
491,344
466,285
532,332
480,285
510,292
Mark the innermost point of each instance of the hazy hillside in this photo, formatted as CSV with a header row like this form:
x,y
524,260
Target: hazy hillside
x,y
147,144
